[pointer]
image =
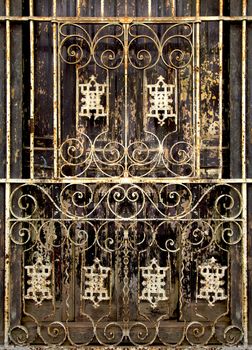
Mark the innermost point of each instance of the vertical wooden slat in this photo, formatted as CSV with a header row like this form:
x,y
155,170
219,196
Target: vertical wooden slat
x,y
15,169
249,167
235,100
235,53
2,168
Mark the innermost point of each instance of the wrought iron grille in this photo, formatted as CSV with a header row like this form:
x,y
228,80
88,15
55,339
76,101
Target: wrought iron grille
x,y
126,179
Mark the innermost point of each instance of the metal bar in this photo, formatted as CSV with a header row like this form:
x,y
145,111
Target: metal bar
x,y
55,96
128,180
126,8
173,8
243,112
126,118
206,347
8,96
32,92
220,91
197,93
102,8
244,185
123,19
7,186
149,8
78,8
59,100
7,266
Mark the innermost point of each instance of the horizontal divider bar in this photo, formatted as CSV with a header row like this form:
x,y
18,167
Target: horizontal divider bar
x,y
149,20
128,180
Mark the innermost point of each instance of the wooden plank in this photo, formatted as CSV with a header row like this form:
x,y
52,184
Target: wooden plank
x,y
249,172
235,8
186,8
235,151
2,103
2,263
43,123
209,8
44,8
2,168
16,59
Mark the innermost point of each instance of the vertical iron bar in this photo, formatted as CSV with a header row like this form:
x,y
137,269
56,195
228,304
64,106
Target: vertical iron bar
x,y
55,96
244,185
7,186
8,94
220,156
102,8
197,90
126,118
78,6
173,8
59,101
31,91
149,8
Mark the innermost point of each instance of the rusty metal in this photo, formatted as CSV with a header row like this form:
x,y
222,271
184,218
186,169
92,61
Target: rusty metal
x,y
126,232
220,90
32,94
244,172
105,19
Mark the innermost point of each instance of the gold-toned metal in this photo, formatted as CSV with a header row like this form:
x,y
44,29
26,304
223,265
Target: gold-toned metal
x,y
104,20
55,95
220,90
7,250
197,92
173,8
244,174
102,8
149,8
32,91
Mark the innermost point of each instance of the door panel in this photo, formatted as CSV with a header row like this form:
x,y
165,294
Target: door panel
x,y
125,195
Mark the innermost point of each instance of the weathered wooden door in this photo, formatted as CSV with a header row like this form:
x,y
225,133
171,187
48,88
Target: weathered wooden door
x,y
125,178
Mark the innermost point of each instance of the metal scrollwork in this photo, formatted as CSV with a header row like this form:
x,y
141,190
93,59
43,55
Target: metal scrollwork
x,y
118,252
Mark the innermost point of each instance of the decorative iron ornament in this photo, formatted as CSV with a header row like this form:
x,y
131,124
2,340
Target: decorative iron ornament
x,y
212,282
39,275
134,220
90,99
154,282
161,100
95,278
151,155
126,220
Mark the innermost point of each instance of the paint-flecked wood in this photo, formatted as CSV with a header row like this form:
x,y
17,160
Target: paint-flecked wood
x,y
249,169
16,110
235,147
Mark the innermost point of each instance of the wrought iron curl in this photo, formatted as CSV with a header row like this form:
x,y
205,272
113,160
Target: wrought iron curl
x,y
177,58
144,57
75,44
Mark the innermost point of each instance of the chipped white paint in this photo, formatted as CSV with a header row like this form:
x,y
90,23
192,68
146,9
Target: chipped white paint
x,y
38,280
91,94
212,282
95,279
161,100
153,283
